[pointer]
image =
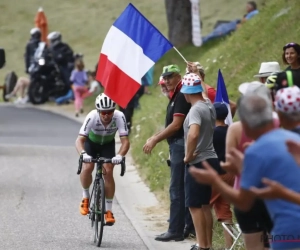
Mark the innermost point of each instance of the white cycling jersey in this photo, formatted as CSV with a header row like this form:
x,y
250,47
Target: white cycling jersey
x,y
93,128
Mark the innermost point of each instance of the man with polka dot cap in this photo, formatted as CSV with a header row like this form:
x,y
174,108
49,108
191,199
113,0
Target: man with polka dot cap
x,y
287,105
198,135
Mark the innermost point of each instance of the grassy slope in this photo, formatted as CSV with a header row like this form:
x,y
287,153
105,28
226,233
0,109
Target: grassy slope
x,y
84,24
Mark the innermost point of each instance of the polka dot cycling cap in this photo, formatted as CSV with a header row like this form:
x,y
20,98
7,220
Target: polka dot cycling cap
x,y
287,100
191,84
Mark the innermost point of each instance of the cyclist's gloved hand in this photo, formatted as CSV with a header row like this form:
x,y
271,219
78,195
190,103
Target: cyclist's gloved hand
x,y
117,159
86,157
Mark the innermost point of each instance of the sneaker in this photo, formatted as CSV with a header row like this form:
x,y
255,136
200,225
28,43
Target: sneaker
x,y
18,101
109,218
84,206
24,100
195,247
8,96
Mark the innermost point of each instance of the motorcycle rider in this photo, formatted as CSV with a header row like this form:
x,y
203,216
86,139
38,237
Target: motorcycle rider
x,y
62,55
31,47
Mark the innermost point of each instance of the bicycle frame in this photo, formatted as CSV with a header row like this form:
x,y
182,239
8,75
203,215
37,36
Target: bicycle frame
x,y
96,203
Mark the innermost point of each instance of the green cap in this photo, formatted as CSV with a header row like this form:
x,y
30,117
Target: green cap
x,y
170,69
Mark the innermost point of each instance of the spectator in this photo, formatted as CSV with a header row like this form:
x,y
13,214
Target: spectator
x,y
251,9
189,230
163,88
266,69
255,112
198,135
177,110
21,87
220,205
128,112
147,81
291,56
32,45
94,86
79,80
288,107
227,27
256,223
62,55
210,92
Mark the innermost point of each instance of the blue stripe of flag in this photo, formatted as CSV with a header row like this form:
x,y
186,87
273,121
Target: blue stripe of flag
x,y
221,95
132,23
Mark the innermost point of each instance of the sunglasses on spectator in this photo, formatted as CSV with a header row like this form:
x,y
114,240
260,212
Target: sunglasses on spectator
x,y
289,45
169,77
107,112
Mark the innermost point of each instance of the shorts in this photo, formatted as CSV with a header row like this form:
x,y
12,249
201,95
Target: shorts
x,y
94,149
220,205
257,219
197,194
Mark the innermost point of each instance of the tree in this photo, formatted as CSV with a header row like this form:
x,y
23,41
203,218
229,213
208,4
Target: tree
x,y
179,21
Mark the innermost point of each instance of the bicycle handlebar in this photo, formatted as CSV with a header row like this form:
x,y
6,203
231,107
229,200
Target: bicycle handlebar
x,y
102,160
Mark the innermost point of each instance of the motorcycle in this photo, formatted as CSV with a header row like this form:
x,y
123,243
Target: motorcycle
x,y
45,79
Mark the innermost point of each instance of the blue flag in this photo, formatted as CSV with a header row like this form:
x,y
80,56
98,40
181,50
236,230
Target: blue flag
x,y
222,96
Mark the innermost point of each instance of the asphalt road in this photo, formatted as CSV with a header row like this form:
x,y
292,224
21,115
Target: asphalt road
x,y
40,191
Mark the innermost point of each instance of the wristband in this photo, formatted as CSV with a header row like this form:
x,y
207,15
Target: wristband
x,y
82,152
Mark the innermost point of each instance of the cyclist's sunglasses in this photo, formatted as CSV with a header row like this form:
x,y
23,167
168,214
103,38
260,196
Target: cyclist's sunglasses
x,y
107,112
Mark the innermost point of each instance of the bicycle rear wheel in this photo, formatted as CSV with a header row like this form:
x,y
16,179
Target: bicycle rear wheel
x,y
99,211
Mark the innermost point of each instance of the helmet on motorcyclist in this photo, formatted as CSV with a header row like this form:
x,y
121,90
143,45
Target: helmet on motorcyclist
x,y
35,33
103,103
54,37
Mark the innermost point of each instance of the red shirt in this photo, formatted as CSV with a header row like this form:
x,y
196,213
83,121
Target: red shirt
x,y
211,93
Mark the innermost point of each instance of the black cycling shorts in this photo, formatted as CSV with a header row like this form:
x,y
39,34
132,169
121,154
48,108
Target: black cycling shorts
x,y
257,219
94,149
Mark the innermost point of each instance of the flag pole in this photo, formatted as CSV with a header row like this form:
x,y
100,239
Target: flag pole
x,y
180,54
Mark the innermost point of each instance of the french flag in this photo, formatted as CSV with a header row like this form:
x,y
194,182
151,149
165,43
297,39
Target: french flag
x,y
222,96
131,47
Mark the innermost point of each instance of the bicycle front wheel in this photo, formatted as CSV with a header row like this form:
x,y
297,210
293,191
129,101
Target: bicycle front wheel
x,y
99,211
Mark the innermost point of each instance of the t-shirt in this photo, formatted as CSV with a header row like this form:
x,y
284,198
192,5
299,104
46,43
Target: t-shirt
x,y
204,115
268,157
219,141
94,87
251,14
177,106
296,130
78,78
282,79
211,93
93,128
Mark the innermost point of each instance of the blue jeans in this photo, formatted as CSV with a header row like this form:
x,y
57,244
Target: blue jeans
x,y
63,99
177,196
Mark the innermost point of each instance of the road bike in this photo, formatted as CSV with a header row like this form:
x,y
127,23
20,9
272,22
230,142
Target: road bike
x,y
97,202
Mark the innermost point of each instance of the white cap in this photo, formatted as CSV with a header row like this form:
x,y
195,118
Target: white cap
x,y
267,68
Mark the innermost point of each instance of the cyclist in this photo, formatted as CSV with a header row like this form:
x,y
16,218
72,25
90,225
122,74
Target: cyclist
x,y
97,137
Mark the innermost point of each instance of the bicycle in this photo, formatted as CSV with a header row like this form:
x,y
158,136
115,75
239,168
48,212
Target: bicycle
x,y
97,206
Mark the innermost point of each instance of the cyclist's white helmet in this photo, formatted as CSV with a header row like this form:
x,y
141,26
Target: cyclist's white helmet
x,y
103,102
